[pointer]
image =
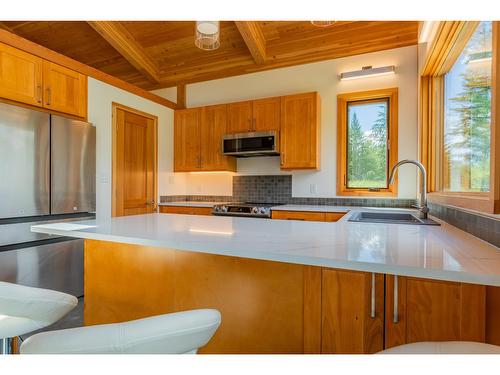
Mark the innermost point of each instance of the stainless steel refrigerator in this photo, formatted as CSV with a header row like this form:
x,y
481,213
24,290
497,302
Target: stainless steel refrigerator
x,y
47,172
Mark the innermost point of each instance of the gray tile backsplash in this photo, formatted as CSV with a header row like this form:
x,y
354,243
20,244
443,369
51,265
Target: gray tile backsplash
x,y
484,227
278,189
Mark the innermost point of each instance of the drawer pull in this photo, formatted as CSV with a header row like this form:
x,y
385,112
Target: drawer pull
x,y
395,318
372,315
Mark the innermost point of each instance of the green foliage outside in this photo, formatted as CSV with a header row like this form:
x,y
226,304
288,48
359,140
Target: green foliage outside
x,y
367,152
467,138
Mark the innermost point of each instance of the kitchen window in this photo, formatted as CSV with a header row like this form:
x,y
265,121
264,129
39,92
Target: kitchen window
x,y
458,93
367,142
467,116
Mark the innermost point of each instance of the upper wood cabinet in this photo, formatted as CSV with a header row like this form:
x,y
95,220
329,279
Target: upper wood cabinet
x,y
254,116
198,140
20,76
28,79
300,131
240,117
433,310
266,114
187,140
64,89
213,127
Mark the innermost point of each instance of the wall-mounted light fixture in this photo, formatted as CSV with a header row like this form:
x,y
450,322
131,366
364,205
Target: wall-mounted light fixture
x,y
323,23
367,71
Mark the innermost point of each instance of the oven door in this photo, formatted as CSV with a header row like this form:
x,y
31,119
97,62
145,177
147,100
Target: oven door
x,y
250,144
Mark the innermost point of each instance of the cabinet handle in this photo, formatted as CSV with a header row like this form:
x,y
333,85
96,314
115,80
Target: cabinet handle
x,y
395,318
282,158
49,94
372,315
39,93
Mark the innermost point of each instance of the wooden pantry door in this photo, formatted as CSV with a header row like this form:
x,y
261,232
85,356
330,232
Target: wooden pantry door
x,y
134,161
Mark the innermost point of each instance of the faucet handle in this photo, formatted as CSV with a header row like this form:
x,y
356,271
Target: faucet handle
x,y
421,208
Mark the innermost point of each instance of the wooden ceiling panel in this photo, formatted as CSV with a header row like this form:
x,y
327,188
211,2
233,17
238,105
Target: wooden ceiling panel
x,y
168,46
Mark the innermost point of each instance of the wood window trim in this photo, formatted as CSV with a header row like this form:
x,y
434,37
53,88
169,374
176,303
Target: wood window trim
x,y
451,38
115,108
342,100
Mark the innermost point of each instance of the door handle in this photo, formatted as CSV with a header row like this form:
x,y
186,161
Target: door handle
x,y
373,309
39,93
395,318
49,94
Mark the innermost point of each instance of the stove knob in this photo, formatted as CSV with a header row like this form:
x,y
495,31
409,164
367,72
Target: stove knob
x,y
262,211
255,210
223,209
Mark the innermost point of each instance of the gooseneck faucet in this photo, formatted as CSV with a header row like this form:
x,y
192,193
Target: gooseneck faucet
x,y
423,188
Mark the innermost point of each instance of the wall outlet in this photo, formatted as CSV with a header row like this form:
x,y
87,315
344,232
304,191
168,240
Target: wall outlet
x,y
313,188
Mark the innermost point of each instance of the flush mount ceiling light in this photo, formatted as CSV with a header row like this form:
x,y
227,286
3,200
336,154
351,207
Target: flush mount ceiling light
x,y
367,71
323,23
207,35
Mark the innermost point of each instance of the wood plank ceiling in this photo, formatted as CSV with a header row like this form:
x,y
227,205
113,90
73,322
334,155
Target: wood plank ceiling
x,y
158,54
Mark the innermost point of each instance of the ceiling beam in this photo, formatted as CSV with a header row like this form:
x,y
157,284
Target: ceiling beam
x,y
254,39
124,42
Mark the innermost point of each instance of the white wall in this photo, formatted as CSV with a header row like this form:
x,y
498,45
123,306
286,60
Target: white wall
x,y
100,99
321,77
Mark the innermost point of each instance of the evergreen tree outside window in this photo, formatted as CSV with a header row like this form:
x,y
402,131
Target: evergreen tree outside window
x,y
367,152
467,118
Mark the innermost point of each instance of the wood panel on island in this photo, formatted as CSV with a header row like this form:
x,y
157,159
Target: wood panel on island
x,y
296,119
313,309
31,80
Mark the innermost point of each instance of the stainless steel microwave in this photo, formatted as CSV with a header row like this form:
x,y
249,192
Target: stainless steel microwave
x,y
251,144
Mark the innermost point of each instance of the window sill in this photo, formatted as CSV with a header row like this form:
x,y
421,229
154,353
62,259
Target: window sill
x,y
481,202
365,193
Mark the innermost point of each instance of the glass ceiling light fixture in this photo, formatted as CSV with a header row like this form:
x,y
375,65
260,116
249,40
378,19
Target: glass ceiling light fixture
x,y
323,23
368,71
207,35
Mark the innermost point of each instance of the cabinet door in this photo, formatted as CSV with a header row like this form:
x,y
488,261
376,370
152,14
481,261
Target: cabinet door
x,y
20,76
267,114
239,117
186,210
64,90
187,140
352,312
433,310
300,127
213,127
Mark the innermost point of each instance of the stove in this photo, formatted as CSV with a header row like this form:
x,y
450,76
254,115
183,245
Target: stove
x,y
262,210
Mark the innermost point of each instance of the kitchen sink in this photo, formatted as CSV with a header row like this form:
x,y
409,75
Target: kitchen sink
x,y
390,218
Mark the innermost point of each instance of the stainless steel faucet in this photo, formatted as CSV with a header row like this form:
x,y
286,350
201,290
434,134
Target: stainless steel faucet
x,y
423,188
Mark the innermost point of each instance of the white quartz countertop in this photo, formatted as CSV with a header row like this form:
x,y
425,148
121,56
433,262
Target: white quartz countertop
x,y
437,252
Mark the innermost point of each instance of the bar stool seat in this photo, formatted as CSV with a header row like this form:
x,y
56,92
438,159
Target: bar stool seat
x,y
24,309
444,347
176,333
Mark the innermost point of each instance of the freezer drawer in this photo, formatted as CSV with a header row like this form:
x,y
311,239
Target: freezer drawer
x,y
24,162
57,266
72,166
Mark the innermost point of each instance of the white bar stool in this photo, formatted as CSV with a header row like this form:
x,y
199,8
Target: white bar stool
x,y
24,309
176,333
444,347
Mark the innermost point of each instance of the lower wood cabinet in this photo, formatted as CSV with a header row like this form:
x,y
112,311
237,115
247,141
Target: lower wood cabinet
x,y
187,210
307,215
433,310
358,318
352,313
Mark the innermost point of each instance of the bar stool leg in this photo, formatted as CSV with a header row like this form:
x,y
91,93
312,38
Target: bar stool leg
x,y
6,346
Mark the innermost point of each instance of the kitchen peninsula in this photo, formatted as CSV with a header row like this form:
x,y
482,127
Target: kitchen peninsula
x,y
306,287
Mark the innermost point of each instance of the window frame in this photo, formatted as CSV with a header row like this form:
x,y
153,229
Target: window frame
x,y
444,50
389,94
